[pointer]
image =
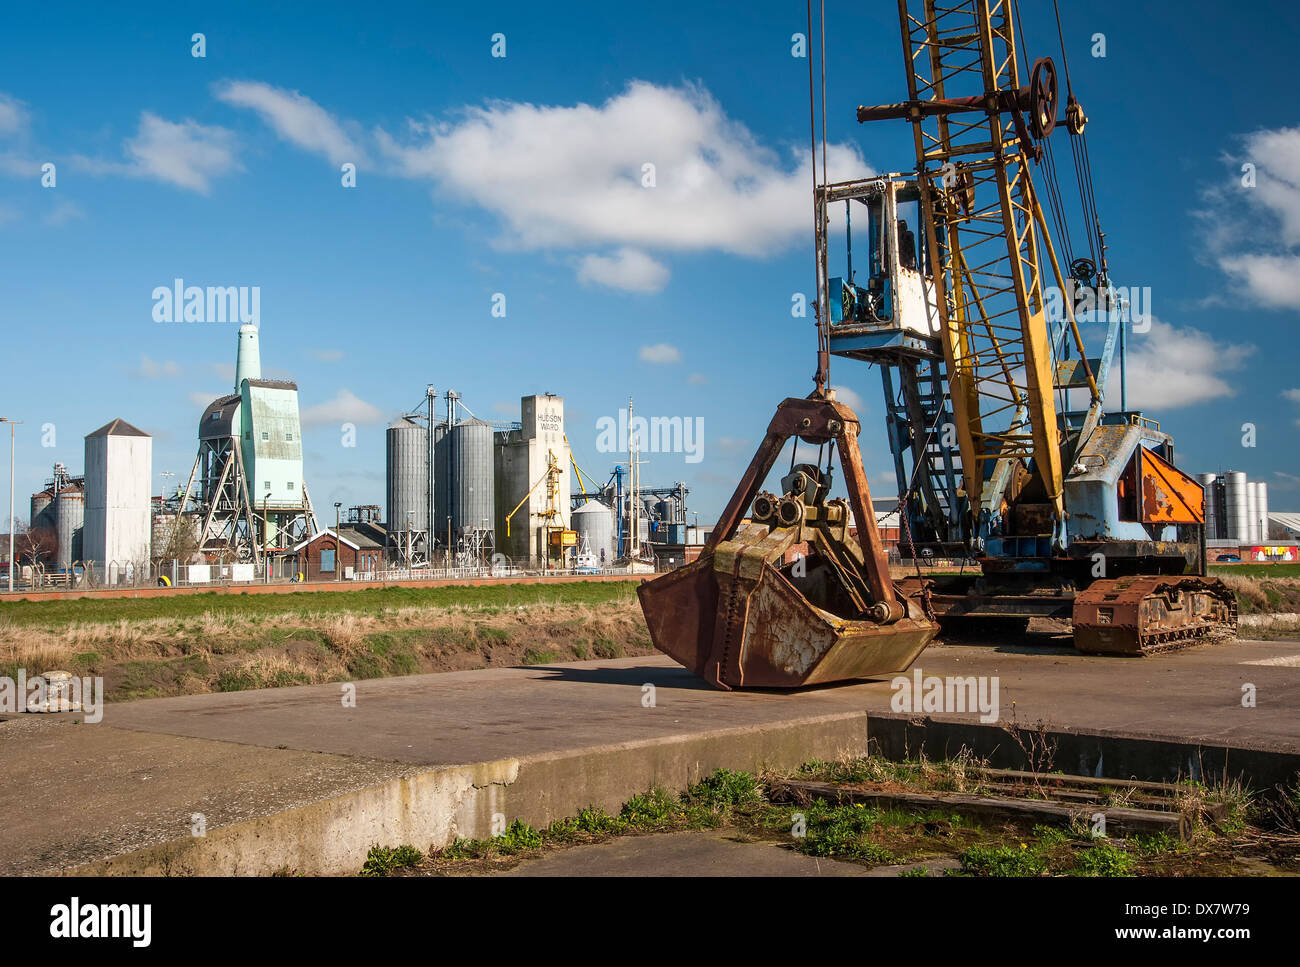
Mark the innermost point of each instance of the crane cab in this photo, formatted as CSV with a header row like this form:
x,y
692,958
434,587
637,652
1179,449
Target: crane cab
x,y
888,303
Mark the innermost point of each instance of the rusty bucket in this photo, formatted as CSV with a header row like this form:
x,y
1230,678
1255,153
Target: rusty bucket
x,y
790,597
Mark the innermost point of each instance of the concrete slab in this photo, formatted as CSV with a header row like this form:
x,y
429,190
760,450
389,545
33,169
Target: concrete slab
x,y
695,853
291,778
714,852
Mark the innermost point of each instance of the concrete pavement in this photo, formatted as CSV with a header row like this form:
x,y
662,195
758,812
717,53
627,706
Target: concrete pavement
x,y
292,779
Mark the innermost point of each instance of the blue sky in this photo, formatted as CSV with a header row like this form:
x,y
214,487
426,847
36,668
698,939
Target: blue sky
x,y
519,175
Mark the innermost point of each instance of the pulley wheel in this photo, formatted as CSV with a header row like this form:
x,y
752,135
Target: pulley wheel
x,y
1042,98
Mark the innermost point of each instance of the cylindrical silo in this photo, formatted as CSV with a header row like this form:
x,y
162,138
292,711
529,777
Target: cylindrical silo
x,y
1262,500
441,480
471,486
1206,480
42,510
1235,501
70,516
408,476
1252,514
594,523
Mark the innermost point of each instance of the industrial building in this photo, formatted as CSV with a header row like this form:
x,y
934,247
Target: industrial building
x,y
118,531
507,488
440,484
1236,517
247,483
55,527
533,483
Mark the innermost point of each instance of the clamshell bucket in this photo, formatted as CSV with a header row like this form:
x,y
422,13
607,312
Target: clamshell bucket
x,y
790,597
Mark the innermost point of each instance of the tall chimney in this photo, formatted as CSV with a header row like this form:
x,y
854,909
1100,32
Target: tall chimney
x,y
248,360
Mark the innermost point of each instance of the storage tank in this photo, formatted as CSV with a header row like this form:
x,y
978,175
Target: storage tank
x,y
594,523
441,479
1206,480
1252,512
1261,512
70,516
667,510
42,516
407,476
471,486
1235,502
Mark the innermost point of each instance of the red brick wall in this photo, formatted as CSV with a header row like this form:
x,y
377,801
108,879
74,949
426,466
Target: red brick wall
x,y
309,558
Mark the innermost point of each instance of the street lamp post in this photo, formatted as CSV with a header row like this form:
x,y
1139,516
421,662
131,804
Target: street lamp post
x,y
12,424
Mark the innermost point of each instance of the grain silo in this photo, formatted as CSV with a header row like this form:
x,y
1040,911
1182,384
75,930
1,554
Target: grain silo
x,y
69,518
441,478
1235,502
408,476
594,524
470,488
1261,501
1251,533
1207,482
42,517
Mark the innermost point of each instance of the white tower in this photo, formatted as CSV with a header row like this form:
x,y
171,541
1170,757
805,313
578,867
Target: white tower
x,y
248,358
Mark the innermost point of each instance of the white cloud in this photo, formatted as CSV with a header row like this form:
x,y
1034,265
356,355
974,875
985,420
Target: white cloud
x,y
201,400
294,117
1171,366
697,379
1253,233
850,398
659,353
628,269
1292,394
1272,280
148,369
186,154
346,407
326,355
63,212
574,177
13,114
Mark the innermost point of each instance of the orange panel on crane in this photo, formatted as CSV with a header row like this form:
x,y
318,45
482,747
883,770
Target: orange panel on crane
x,y
1168,496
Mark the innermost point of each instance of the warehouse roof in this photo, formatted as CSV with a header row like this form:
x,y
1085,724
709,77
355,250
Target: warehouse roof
x,y
1288,520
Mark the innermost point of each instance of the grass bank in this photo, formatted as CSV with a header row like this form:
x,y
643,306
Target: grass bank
x,y
147,648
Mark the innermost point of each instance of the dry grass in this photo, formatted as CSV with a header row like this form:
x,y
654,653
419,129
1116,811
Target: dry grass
x,y
225,650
